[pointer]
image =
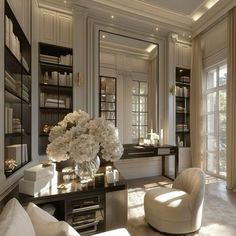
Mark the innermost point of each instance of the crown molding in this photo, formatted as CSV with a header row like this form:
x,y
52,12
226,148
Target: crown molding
x,y
59,6
167,21
116,48
213,16
149,11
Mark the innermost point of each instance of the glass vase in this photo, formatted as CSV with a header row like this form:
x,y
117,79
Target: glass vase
x,y
87,169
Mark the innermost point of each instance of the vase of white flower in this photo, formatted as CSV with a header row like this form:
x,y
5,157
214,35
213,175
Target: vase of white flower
x,y
87,169
79,137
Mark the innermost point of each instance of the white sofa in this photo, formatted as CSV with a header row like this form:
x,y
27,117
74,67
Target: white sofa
x,y
33,221
177,210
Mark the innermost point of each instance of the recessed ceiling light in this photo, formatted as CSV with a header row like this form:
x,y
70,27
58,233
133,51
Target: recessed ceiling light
x,y
157,28
65,1
197,16
112,16
211,3
150,48
190,36
103,36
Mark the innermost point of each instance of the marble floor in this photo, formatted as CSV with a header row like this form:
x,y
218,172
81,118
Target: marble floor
x,y
219,213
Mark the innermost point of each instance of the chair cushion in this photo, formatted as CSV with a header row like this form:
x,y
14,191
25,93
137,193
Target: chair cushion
x,y
168,204
15,221
47,225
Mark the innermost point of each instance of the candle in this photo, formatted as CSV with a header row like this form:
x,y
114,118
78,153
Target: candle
x,y
161,137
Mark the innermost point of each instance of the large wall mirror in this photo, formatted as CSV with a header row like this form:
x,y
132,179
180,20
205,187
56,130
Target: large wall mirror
x,y
128,85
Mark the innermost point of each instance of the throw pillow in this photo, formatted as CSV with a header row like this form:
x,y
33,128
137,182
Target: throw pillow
x,y
15,221
47,225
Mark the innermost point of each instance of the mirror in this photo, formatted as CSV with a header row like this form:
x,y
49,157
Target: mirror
x,y
128,82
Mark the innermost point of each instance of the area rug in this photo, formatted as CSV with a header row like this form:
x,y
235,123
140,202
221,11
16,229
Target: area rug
x,y
219,214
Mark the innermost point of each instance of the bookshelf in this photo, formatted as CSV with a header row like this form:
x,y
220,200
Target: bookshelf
x,y
55,88
17,95
182,101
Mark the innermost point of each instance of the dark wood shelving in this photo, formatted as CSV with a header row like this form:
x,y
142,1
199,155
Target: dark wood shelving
x,y
54,90
56,86
56,109
57,67
182,135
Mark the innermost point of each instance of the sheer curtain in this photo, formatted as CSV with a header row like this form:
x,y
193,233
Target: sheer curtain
x,y
231,101
196,119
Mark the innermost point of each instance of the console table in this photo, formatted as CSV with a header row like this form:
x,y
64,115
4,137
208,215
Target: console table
x,y
90,209
140,151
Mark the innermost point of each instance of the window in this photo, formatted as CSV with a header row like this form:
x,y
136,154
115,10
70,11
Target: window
x,y
215,120
139,110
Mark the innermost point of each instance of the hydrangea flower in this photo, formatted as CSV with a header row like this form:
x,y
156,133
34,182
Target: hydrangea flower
x,y
81,138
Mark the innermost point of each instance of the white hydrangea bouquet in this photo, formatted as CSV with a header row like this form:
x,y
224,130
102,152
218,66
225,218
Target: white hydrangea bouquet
x,y
79,137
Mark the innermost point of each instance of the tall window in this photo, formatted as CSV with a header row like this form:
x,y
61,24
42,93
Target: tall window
x,y
139,110
215,120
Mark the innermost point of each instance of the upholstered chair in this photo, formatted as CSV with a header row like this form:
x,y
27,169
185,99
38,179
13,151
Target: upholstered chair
x,y
177,210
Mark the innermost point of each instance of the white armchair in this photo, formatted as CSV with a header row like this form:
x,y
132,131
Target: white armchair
x,y
177,210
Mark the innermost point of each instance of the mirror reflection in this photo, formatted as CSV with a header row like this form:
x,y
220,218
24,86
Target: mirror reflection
x,y
128,85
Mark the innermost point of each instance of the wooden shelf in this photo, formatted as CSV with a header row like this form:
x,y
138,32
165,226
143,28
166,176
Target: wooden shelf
x,y
182,87
52,115
57,67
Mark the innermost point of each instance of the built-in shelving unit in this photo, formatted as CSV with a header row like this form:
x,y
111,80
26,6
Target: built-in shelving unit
x,y
55,88
17,87
182,101
107,98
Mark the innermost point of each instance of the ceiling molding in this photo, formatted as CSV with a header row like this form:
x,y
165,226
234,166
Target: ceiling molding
x,y
116,48
59,6
214,15
156,14
149,11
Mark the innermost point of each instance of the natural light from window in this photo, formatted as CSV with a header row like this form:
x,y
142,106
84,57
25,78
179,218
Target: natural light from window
x,y
215,120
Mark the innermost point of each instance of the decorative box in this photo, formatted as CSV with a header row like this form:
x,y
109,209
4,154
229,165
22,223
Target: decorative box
x,y
39,172
34,187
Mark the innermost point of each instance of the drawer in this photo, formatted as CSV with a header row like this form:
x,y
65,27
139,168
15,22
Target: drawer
x,y
84,204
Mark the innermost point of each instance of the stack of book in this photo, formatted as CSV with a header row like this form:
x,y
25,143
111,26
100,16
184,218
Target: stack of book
x,y
49,59
36,179
66,60
65,79
50,102
180,109
12,41
185,79
17,126
182,127
10,82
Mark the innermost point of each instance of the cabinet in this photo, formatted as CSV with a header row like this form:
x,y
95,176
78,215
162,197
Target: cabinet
x,y
89,210
17,89
182,107
107,98
183,55
86,213
55,28
55,88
